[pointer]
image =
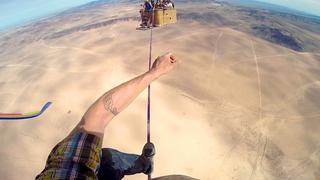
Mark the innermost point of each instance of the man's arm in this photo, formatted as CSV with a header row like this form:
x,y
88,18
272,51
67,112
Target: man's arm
x,y
117,99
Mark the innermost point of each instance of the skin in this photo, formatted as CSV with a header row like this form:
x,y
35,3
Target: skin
x,y
110,104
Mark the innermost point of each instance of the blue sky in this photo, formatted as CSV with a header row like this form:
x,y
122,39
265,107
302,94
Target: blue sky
x,y
309,6
15,12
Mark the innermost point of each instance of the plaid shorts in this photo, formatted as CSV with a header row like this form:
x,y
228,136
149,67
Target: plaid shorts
x,y
76,157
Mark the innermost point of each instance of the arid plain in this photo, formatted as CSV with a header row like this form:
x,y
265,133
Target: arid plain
x,y
236,106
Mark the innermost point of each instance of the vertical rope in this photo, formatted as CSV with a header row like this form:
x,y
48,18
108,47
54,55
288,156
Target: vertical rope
x,y
149,87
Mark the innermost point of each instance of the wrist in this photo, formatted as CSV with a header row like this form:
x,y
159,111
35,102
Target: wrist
x,y
153,74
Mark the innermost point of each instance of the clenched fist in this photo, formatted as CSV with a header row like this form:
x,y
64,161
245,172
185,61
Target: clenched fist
x,y
163,64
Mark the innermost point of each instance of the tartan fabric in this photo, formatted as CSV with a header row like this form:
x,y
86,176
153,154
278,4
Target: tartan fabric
x,y
76,157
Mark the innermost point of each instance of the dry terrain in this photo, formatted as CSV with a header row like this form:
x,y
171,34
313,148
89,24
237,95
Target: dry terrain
x,y
236,107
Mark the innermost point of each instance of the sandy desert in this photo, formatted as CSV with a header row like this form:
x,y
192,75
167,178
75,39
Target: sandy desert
x,y
236,106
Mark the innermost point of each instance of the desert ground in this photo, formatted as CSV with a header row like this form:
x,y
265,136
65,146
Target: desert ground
x,y
236,106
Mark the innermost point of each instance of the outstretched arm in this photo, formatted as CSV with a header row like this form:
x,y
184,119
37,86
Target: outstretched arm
x,y
117,99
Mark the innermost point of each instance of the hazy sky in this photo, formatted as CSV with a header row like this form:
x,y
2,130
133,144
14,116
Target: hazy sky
x,y
15,12
309,6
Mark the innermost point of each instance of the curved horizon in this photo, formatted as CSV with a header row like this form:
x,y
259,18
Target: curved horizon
x,y
308,6
26,11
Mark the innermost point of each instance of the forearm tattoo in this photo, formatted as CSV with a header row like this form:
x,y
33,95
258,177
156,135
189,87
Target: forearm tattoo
x,y
108,104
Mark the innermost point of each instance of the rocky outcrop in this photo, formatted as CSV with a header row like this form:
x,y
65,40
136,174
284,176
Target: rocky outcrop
x,y
278,36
